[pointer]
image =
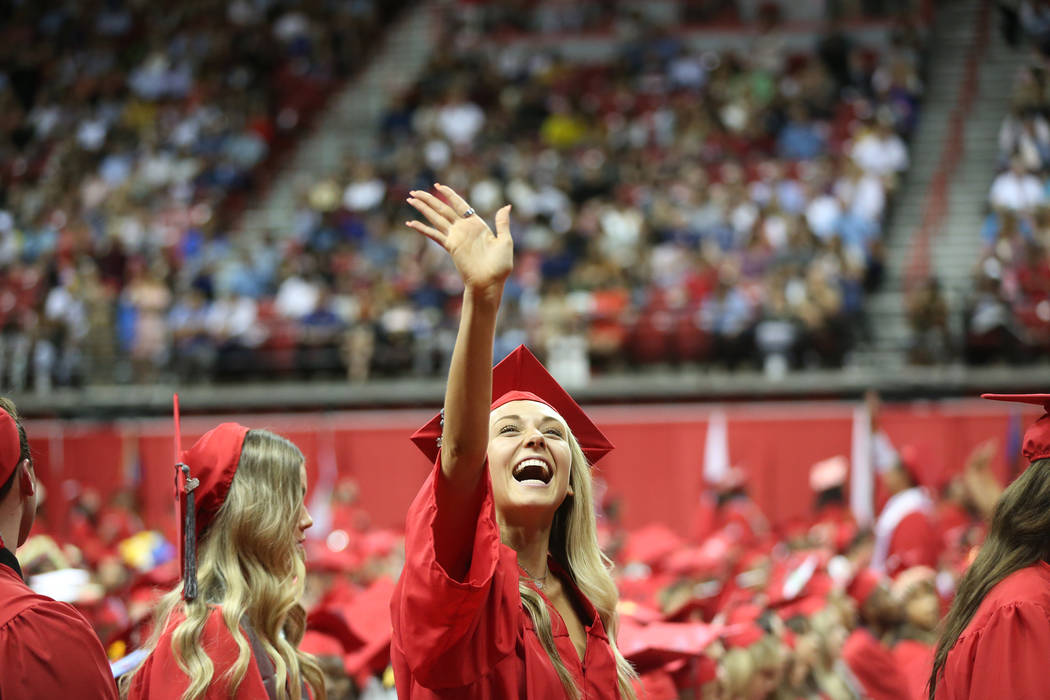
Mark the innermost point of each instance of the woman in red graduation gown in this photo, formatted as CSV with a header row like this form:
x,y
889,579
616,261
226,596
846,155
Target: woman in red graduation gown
x,y
47,648
996,638
231,628
505,593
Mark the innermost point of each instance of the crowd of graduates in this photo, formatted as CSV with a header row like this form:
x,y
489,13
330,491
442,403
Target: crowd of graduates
x,y
735,607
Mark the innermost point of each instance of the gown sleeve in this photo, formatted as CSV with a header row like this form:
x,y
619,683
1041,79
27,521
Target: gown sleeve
x,y
1006,658
50,651
450,631
162,679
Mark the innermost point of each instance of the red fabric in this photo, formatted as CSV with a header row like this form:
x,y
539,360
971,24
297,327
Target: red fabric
x,y
1036,444
743,521
473,637
862,585
160,677
47,648
10,447
521,377
1003,652
915,542
874,667
915,660
213,460
667,439
656,685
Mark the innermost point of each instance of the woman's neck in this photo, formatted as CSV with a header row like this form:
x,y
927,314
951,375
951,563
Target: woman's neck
x,y
531,544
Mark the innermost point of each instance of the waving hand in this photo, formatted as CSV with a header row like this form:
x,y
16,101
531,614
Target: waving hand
x,y
484,259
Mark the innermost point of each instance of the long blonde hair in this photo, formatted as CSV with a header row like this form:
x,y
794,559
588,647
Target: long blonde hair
x,y
249,564
574,545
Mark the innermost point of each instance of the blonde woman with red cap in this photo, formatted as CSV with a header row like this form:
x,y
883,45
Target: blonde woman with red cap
x,y
995,641
47,648
232,627
505,592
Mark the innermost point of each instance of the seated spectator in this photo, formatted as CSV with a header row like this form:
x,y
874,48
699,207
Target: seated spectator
x,y
1017,190
880,151
990,328
928,319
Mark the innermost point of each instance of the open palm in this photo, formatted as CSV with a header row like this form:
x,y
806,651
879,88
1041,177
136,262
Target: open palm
x,y
484,259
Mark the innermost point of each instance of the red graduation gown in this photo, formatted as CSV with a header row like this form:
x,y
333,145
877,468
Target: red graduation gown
x,y
874,667
160,677
915,660
1005,650
473,638
47,648
915,542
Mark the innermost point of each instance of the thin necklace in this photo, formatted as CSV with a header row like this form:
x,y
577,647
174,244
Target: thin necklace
x,y
538,582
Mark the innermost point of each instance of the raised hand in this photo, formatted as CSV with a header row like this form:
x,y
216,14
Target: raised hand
x,y
484,259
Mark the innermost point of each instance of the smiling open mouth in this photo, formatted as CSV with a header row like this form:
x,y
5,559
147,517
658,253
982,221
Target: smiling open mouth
x,y
533,470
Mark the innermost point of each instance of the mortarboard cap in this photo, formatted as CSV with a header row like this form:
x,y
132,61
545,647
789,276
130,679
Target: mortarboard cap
x,y
742,635
521,377
321,644
828,473
651,544
863,584
652,646
203,475
1036,443
10,446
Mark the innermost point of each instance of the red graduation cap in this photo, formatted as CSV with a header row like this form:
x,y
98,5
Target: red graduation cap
x,y
742,635
652,646
203,475
1036,444
651,544
521,377
862,585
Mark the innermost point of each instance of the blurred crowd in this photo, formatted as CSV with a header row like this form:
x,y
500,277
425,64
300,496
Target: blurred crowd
x,y
1006,312
732,607
527,17
132,134
672,204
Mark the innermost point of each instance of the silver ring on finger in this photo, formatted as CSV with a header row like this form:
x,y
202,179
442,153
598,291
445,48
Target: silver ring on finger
x,y
468,213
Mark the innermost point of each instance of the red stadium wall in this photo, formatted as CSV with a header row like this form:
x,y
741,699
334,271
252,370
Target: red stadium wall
x,y
655,470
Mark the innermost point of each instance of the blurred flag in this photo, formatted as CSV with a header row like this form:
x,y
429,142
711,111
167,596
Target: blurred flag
x,y
1013,445
327,473
862,480
716,448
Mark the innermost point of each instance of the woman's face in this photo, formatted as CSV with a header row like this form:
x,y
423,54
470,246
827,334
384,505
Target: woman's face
x,y
305,521
529,460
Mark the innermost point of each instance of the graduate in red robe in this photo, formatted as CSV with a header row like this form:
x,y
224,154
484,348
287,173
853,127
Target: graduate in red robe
x,y
996,638
489,604
47,648
242,522
833,523
905,531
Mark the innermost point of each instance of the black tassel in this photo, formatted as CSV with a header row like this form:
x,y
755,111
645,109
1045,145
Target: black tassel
x,y
189,537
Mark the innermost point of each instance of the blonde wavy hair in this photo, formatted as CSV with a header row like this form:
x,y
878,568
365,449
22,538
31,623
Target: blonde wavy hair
x,y
250,565
574,545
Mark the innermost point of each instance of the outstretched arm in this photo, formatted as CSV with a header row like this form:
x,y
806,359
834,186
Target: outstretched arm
x,y
484,260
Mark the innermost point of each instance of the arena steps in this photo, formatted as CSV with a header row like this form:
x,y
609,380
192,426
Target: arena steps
x,y
954,249
348,126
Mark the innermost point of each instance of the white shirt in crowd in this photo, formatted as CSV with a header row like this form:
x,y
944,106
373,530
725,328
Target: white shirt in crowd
x,y
880,155
1017,191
